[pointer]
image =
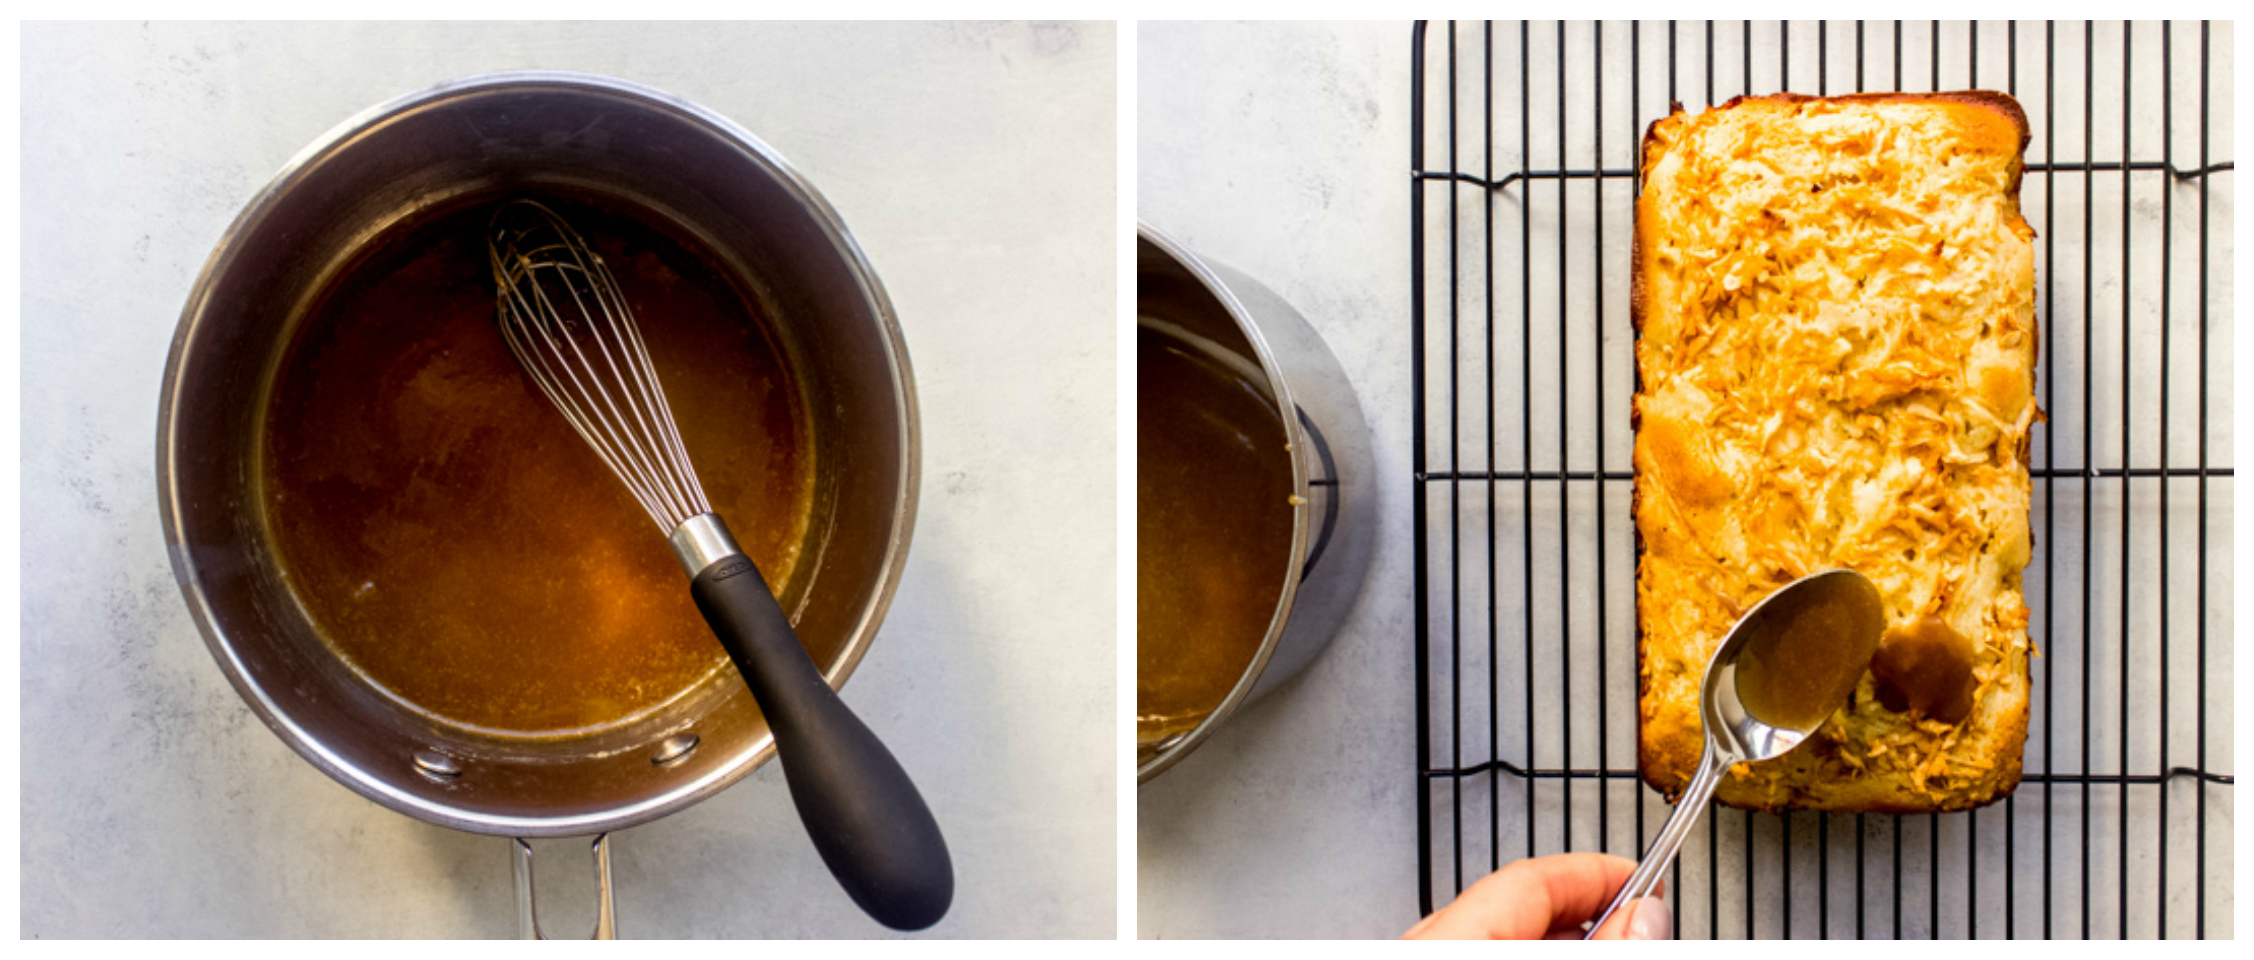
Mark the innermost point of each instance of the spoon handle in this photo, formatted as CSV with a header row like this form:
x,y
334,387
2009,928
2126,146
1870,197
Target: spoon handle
x,y
1662,851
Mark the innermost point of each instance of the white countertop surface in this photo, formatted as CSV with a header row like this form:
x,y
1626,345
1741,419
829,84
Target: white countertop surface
x,y
975,164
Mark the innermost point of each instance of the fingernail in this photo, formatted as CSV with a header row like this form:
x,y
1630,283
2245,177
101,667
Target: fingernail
x,y
1650,921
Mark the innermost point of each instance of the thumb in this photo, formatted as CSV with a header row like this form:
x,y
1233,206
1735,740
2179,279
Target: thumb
x,y
1645,919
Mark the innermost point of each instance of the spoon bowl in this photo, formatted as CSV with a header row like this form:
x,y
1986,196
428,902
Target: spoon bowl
x,y
1788,664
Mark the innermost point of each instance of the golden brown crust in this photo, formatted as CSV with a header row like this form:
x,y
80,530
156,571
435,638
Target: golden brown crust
x,y
1835,379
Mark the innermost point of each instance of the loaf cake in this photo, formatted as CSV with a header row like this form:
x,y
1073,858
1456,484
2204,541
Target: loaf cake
x,y
1835,313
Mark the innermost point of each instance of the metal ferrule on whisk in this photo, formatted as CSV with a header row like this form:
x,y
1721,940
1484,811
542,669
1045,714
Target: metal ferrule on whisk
x,y
701,541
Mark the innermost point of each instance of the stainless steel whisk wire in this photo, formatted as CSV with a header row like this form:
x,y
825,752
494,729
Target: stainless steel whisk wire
x,y
569,326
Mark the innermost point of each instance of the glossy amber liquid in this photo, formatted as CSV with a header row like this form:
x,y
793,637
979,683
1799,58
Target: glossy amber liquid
x,y
1213,524
1801,669
457,543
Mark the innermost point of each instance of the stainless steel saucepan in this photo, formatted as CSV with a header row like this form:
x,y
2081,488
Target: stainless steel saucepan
x,y
493,134
1235,321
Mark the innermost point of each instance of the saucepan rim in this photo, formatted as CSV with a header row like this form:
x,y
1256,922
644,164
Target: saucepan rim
x,y
1296,447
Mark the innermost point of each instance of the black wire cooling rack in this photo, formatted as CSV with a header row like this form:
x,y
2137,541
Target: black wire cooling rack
x,y
1523,175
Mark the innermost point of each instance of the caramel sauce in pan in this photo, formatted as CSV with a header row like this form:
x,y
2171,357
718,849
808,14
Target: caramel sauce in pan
x,y
1925,666
457,544
1214,523
1795,676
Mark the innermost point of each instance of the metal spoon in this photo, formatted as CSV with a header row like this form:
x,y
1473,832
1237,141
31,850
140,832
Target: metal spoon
x,y
1786,666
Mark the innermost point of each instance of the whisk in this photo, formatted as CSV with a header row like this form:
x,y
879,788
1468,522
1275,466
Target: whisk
x,y
564,318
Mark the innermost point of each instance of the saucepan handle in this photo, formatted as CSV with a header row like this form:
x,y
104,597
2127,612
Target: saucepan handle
x,y
528,913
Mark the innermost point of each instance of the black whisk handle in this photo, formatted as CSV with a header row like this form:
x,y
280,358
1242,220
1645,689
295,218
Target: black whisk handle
x,y
865,816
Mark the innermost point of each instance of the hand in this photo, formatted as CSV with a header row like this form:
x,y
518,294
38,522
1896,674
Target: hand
x,y
1547,898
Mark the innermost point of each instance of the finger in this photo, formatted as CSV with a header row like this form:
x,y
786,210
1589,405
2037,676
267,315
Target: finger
x,y
1580,884
1615,927
1529,899
1644,919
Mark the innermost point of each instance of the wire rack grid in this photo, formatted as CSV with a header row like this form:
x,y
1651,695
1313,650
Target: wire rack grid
x,y
1523,179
